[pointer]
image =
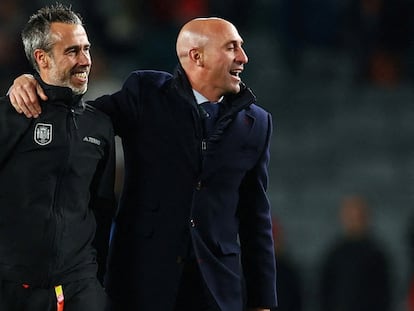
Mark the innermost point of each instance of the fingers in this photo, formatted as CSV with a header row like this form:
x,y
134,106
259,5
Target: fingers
x,y
23,102
14,103
41,94
23,96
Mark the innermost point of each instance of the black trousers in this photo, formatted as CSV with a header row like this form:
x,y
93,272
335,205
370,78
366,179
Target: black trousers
x,y
81,295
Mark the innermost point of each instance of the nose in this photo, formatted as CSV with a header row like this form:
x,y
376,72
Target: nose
x,y
84,58
242,57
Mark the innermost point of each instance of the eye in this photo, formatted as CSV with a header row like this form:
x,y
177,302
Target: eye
x,y
71,51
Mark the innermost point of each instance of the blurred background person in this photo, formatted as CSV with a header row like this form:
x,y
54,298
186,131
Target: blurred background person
x,y
289,283
355,272
409,303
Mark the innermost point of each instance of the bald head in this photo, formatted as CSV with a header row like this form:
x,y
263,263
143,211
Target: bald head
x,y
196,34
210,52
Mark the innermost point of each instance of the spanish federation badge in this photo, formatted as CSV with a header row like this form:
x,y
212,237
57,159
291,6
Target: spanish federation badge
x,y
43,133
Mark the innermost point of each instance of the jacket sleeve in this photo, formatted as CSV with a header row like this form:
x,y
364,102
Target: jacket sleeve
x,y
257,247
125,106
12,127
103,203
122,107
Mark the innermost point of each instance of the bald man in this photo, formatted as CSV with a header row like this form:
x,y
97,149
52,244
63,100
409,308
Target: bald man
x,y
193,229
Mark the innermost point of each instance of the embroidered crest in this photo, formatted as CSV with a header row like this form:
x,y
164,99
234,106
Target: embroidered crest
x,y
43,133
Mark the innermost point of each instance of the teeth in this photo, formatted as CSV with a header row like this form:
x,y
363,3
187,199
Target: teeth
x,y
81,75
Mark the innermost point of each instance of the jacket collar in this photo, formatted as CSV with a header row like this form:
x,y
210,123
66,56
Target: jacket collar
x,y
61,95
233,103
182,85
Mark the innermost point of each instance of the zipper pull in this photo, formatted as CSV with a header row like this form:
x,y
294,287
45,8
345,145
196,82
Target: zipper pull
x,y
203,145
74,117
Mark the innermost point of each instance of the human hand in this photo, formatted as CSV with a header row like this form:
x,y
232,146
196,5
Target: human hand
x,y
258,309
23,95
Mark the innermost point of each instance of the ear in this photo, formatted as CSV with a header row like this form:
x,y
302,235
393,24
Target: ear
x,y
197,56
42,58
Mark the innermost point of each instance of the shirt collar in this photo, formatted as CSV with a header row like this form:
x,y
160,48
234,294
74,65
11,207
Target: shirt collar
x,y
201,99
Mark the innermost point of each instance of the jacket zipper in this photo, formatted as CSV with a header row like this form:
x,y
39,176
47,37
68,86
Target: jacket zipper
x,y
74,117
58,211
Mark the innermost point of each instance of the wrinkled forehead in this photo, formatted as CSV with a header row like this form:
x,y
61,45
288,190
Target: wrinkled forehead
x,y
74,33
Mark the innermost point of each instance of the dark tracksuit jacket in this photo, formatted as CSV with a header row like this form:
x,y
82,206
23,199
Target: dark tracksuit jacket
x,y
55,171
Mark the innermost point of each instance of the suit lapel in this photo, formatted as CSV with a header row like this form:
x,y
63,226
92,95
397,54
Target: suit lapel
x,y
232,141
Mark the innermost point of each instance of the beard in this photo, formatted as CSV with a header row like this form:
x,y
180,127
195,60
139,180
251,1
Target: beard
x,y
63,78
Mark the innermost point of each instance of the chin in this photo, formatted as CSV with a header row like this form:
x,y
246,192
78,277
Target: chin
x,y
236,89
79,91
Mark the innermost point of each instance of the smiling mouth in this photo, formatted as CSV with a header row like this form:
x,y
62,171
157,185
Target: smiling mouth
x,y
235,73
81,75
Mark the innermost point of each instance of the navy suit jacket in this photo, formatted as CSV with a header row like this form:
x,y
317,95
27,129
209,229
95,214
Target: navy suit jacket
x,y
180,189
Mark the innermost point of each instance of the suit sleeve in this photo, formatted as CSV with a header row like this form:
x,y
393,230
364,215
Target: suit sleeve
x,y
257,255
123,106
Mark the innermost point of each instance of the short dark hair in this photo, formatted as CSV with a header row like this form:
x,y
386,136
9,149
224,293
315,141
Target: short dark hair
x,y
36,33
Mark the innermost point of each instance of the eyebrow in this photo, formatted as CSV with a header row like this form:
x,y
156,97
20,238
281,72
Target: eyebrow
x,y
236,42
76,47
